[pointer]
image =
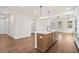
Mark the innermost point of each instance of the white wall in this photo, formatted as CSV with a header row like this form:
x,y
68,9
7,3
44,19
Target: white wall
x,y
3,26
54,26
11,25
65,25
19,25
23,26
41,25
33,28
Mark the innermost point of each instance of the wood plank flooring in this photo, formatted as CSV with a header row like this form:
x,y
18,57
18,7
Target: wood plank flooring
x,y
64,44
8,44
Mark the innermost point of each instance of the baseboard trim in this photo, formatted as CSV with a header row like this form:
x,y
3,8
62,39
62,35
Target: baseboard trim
x,y
14,38
65,33
3,34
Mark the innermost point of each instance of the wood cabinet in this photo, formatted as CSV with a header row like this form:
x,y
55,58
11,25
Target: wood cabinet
x,y
54,36
44,41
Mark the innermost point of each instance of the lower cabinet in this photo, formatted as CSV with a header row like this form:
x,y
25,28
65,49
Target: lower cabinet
x,y
54,37
44,41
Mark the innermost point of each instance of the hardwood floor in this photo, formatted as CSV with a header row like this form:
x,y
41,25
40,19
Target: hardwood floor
x,y
64,44
8,44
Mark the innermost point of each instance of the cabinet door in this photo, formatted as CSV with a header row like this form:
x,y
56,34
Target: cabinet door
x,y
33,38
49,40
54,37
42,42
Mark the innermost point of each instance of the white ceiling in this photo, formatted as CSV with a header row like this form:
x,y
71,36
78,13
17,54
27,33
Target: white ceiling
x,y
35,10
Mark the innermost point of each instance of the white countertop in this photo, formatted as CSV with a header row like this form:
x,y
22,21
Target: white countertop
x,y
44,32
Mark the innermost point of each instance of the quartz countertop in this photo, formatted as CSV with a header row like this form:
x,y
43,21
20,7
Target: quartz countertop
x,y
45,32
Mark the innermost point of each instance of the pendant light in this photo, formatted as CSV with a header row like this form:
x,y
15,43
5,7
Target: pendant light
x,y
41,11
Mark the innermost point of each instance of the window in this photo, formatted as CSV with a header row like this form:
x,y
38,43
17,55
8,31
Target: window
x,y
69,24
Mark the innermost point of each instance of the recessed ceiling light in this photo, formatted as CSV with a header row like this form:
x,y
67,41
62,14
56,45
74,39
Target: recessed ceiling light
x,y
32,21
35,11
42,17
1,16
4,12
67,8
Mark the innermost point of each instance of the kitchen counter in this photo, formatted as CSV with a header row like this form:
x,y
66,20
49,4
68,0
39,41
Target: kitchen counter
x,y
45,40
45,32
